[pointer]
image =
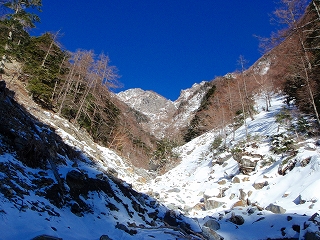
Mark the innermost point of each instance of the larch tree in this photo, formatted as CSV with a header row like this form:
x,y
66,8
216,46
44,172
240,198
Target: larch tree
x,y
229,78
264,82
291,14
242,101
242,61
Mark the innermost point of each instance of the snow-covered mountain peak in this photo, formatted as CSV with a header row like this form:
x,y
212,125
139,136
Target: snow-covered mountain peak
x,y
166,118
147,102
187,93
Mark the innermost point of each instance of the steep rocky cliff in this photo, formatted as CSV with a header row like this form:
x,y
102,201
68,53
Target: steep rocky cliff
x,y
165,118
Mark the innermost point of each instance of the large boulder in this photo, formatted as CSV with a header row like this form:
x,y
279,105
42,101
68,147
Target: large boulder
x,y
104,237
312,236
210,234
236,219
275,209
236,180
212,224
239,203
75,179
212,204
247,165
260,185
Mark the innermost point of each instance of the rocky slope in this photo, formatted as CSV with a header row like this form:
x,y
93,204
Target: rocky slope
x,y
59,185
259,186
165,118
54,176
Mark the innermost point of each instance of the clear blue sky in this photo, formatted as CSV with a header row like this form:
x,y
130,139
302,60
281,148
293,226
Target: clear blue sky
x,y
162,45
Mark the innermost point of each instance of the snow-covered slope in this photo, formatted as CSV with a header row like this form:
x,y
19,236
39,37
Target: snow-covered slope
x,y
247,190
261,185
165,118
59,185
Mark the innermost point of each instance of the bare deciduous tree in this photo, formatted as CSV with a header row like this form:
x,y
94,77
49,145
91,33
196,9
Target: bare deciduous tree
x,y
290,13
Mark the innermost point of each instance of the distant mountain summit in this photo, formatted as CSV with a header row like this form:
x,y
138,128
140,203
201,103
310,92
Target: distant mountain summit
x,y
166,118
146,102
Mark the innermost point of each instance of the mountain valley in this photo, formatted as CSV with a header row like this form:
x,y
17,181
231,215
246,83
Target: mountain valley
x,y
234,158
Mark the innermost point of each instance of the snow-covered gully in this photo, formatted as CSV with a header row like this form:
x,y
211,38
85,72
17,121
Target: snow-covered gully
x,y
244,190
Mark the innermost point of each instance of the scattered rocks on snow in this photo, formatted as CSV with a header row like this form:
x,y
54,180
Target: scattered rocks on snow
x,y
275,209
211,193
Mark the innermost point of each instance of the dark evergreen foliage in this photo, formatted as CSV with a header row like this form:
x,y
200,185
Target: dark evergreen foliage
x,y
205,102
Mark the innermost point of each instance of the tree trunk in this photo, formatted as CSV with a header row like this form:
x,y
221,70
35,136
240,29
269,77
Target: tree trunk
x,y
243,108
230,109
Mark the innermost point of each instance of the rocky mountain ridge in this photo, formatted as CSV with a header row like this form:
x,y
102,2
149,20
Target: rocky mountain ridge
x,y
165,118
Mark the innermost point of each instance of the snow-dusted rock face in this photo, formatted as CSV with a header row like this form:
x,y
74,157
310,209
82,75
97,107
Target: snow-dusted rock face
x,y
188,103
166,118
262,66
147,102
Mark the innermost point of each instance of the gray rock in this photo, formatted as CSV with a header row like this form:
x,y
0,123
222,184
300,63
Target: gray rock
x,y
46,237
210,234
232,196
259,186
251,210
212,204
312,236
237,219
247,166
222,182
112,172
275,209
236,180
242,195
212,224
122,227
105,237
176,190
75,179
